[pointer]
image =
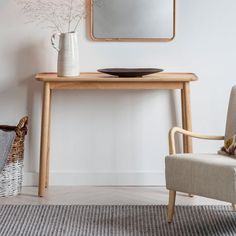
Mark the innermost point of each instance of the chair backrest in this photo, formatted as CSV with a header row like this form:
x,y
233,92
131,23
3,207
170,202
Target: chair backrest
x,y
231,116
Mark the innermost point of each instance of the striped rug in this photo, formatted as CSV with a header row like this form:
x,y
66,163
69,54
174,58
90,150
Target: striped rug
x,y
29,220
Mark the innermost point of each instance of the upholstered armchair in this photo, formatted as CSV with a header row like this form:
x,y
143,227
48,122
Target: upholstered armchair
x,y
209,175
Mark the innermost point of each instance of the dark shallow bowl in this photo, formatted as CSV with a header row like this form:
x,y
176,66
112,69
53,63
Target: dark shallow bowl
x,y
130,72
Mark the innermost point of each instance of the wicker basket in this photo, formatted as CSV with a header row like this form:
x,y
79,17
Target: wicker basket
x,y
11,176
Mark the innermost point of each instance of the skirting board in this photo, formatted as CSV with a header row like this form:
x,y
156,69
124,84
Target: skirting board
x,y
99,178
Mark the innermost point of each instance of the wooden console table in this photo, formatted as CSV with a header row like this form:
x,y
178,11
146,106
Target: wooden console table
x,y
89,81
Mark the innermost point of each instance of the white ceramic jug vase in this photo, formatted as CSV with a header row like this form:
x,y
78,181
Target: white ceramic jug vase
x,y
68,54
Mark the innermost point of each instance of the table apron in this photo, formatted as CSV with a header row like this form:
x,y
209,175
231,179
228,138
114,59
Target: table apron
x,y
116,85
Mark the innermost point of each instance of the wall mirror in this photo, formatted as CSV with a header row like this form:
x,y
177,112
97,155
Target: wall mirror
x,y
132,20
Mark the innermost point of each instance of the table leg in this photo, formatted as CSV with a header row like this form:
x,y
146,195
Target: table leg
x,y
188,116
49,140
184,119
44,139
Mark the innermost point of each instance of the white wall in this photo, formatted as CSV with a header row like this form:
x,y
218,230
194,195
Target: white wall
x,y
118,137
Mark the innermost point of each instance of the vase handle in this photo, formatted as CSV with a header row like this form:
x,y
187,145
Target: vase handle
x,y
53,38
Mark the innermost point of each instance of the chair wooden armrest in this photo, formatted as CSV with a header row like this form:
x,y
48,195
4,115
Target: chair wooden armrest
x,y
175,130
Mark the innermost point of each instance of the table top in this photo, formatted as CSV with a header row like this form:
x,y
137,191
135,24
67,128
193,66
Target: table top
x,y
100,77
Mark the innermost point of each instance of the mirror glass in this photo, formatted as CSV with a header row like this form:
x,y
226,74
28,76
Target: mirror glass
x,y
133,19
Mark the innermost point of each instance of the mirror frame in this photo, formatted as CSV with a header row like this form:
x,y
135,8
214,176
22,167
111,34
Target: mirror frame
x,y
91,29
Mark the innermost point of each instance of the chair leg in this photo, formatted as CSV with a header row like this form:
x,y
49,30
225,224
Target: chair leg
x,y
234,206
171,205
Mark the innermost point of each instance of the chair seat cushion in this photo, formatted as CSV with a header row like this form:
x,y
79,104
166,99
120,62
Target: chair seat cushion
x,y
208,175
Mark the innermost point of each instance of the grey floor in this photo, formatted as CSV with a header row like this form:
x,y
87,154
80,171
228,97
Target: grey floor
x,y
105,196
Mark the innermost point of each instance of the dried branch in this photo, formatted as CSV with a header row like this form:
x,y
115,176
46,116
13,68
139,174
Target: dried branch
x,y
70,15
62,14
